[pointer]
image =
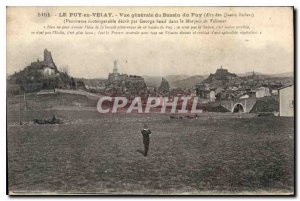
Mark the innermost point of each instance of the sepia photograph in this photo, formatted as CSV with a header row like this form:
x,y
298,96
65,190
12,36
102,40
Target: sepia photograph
x,y
165,100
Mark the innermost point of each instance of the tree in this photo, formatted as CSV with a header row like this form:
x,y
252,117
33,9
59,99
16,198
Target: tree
x,y
64,70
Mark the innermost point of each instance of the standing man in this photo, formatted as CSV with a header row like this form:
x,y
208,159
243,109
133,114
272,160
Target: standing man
x,y
146,138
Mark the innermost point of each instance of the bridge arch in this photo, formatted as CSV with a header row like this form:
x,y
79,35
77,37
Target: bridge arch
x,y
238,107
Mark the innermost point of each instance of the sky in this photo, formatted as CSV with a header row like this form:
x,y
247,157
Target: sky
x,y
270,52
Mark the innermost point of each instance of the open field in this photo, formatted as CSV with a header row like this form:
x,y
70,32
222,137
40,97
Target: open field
x,y
228,153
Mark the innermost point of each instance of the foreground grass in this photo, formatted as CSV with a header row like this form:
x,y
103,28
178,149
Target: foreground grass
x,y
102,154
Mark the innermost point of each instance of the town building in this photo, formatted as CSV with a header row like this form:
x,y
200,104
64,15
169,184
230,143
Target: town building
x,y
262,92
212,96
286,101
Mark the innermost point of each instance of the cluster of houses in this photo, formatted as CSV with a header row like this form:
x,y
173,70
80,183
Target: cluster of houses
x,y
212,94
224,86
220,87
228,86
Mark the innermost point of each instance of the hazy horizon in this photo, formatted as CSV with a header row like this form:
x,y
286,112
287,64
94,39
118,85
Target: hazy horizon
x,y
270,52
153,75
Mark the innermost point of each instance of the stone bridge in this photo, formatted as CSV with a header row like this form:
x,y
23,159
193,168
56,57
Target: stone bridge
x,y
240,105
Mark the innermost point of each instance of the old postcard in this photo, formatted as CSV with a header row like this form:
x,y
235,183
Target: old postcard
x,y
150,100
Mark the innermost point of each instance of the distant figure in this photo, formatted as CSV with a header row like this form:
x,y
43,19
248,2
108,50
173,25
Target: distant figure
x,y
146,138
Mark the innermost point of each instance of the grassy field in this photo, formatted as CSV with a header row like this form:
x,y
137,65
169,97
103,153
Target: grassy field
x,y
93,153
